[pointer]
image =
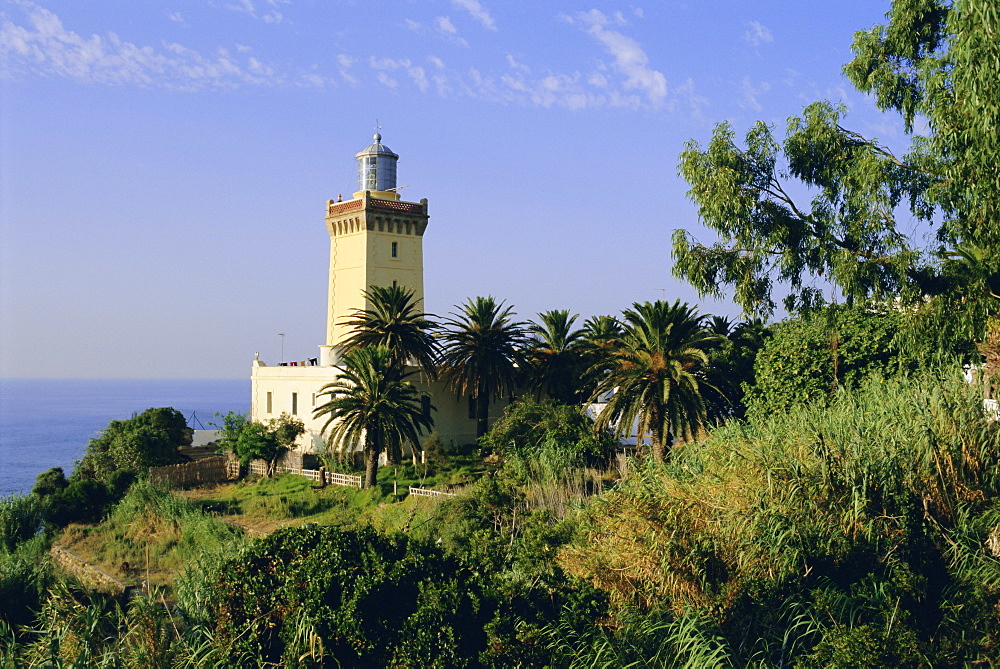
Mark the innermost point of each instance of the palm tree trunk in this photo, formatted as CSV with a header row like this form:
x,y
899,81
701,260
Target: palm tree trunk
x,y
658,447
371,459
371,468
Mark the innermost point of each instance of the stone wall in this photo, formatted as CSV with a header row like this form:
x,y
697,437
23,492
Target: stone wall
x,y
88,574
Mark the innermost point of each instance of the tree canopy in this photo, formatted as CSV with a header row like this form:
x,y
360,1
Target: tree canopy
x,y
934,61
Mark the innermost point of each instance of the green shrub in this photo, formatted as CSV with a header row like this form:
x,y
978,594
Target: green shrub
x,y
349,598
20,520
810,356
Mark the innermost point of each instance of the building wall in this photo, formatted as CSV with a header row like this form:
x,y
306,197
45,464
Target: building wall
x,y
362,232
451,414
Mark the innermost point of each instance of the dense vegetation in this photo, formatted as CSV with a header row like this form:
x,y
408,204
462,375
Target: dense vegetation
x,y
823,491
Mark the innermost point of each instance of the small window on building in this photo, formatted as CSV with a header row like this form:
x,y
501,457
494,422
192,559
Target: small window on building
x,y
393,283
314,400
295,404
395,249
472,407
268,403
425,405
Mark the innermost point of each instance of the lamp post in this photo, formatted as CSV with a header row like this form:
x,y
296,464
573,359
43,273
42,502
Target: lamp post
x,y
282,335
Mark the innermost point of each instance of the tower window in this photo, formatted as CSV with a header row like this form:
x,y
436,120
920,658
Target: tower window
x,y
268,402
295,404
395,249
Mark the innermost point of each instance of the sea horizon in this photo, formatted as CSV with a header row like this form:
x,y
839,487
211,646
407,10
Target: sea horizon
x,y
48,422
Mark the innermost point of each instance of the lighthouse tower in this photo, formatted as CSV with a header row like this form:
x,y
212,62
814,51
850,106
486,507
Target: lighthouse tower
x,y
376,239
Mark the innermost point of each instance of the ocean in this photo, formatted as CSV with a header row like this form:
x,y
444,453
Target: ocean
x,y
48,422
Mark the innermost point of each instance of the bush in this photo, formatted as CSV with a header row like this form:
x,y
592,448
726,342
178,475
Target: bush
x,y
150,439
348,598
527,426
20,520
810,356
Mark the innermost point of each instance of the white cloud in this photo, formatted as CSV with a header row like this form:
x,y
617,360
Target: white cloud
x,y
41,44
438,63
597,80
383,66
250,9
415,26
448,31
757,34
630,59
517,65
445,25
751,92
176,17
476,10
637,11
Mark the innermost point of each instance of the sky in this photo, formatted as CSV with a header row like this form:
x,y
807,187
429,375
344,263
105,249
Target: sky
x,y
164,167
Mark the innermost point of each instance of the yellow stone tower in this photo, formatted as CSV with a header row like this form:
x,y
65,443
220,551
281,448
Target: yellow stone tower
x,y
376,239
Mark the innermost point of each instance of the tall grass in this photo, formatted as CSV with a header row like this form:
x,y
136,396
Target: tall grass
x,y
152,531
866,500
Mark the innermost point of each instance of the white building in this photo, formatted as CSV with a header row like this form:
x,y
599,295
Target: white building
x,y
376,239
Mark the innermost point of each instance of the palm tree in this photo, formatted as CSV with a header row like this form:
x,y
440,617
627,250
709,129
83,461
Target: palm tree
x,y
395,321
655,375
600,339
719,325
371,402
481,353
555,355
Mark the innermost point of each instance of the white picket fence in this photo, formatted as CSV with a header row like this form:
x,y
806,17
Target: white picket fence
x,y
336,478
427,492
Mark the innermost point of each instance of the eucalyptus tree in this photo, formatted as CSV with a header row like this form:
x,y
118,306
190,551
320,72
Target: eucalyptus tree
x,y
933,60
655,375
371,403
394,320
482,348
555,354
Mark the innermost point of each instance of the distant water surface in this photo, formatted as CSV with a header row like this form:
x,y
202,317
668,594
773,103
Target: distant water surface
x,y
48,422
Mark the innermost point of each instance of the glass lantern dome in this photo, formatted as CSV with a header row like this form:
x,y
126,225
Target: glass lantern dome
x,y
376,167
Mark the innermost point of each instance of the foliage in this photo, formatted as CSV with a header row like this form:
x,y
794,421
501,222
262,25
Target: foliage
x,y
50,481
350,598
249,440
811,355
24,569
20,519
150,439
149,529
393,320
655,375
929,60
25,576
527,425
853,529
731,364
371,403
480,353
555,356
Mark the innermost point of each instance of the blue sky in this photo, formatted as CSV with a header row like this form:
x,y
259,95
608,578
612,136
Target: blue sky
x,y
165,165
